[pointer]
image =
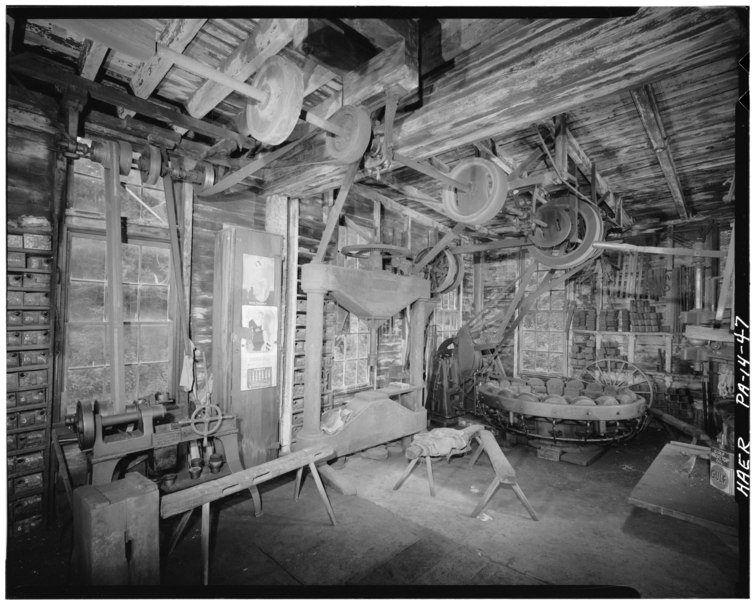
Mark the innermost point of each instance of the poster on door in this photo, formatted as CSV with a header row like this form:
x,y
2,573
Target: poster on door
x,y
259,315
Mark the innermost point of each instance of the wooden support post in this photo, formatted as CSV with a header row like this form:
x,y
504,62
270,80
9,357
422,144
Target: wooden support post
x,y
205,543
313,363
333,216
290,321
429,469
418,312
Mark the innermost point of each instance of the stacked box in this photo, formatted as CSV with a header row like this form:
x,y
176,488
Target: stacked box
x,y
583,350
607,320
644,318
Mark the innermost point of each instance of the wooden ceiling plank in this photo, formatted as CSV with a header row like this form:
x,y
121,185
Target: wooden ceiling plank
x,y
176,35
267,40
382,33
133,37
91,58
649,115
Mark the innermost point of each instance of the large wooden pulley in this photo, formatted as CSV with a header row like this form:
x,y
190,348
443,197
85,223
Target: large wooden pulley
x,y
273,119
578,245
150,163
483,201
445,271
84,425
207,176
355,127
124,158
557,228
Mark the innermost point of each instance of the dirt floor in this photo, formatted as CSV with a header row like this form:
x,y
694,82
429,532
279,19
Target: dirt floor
x,y
588,542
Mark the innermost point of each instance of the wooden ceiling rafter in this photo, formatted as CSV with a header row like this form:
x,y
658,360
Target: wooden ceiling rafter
x,y
650,117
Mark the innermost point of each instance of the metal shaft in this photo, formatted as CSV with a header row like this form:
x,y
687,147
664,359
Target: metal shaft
x,y
322,123
196,67
431,172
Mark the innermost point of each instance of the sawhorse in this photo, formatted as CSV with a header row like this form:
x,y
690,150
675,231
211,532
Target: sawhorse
x,y
505,474
185,501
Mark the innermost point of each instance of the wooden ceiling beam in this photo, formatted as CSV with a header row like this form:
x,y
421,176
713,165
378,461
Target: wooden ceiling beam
x,y
41,70
266,41
133,37
372,193
488,94
91,59
648,111
176,35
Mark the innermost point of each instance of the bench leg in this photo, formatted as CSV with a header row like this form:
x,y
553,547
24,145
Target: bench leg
x,y
406,473
298,483
486,497
205,543
323,495
256,500
524,500
476,455
429,468
179,530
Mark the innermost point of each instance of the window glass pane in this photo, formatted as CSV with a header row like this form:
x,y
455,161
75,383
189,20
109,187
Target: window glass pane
x,y
86,301
542,363
337,375
155,199
130,302
364,345
557,300
362,371
542,341
130,259
338,348
130,341
542,321
153,377
153,303
130,208
527,339
131,381
89,194
555,342
351,346
556,320
152,346
155,265
543,302
555,363
85,345
87,260
528,361
528,321
86,384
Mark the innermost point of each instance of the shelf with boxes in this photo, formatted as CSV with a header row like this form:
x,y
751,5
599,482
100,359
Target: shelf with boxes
x,y
329,320
30,268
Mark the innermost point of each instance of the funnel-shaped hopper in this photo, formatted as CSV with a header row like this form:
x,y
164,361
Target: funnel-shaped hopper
x,y
366,294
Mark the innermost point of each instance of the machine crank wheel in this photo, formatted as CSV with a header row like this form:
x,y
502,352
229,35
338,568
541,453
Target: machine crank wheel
x,y
84,424
124,158
577,247
273,120
443,271
558,226
209,417
350,146
618,378
364,250
486,197
208,176
149,165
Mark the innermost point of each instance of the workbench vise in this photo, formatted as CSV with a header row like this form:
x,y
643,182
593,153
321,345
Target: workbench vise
x,y
149,428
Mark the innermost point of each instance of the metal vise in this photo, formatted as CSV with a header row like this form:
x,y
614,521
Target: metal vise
x,y
107,449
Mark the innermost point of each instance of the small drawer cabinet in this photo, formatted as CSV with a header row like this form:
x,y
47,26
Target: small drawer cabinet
x,y
30,267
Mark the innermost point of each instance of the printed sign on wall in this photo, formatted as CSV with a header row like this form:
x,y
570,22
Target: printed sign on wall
x,y
259,340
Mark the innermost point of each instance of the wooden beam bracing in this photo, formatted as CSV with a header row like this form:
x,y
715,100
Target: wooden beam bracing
x,y
648,112
91,58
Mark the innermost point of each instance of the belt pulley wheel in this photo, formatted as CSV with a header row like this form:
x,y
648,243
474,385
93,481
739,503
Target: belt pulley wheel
x,y
578,246
352,143
273,120
149,165
124,158
486,196
84,425
207,173
557,229
445,271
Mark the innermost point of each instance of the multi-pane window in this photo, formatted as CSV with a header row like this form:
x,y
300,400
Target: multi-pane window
x,y
147,325
350,355
147,296
447,316
542,332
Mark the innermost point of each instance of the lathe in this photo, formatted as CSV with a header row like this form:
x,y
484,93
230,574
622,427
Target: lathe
x,y
150,428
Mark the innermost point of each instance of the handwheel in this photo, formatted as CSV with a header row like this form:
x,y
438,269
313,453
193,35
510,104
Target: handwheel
x,y
349,147
273,120
486,196
618,376
209,416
